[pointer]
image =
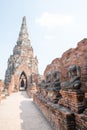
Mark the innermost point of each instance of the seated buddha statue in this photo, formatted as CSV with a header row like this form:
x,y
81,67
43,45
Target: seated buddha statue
x,y
74,74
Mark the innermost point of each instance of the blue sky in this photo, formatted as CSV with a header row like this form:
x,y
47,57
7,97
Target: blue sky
x,y
54,26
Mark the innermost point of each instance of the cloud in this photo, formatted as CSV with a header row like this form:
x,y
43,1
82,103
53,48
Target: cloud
x,y
51,20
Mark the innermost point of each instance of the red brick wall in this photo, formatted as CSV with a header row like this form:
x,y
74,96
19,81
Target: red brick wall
x,y
59,117
72,56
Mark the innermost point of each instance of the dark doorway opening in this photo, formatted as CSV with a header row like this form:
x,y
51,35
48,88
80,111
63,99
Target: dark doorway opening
x,y
23,81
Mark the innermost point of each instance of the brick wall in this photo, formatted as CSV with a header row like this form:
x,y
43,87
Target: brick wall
x,y
72,56
70,112
59,117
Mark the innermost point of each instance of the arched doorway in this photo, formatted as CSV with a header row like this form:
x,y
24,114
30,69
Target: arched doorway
x,y
23,81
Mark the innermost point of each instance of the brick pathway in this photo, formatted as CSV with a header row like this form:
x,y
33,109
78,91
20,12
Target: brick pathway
x,y
17,112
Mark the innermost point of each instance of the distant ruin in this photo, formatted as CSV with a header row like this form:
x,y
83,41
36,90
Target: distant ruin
x,y
22,69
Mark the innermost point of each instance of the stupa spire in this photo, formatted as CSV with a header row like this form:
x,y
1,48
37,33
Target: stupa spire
x,y
24,20
23,35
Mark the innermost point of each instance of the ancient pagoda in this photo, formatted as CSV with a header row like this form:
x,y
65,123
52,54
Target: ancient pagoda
x,y
22,64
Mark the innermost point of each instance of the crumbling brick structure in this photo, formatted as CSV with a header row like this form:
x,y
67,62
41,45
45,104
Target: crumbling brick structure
x,y
22,64
77,56
66,109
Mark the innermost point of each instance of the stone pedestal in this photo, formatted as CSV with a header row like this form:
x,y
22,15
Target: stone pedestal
x,y
73,100
31,90
53,96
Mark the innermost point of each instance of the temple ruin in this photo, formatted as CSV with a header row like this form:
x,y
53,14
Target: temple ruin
x,y
61,93
22,65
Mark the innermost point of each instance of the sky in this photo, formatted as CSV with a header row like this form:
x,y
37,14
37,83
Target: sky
x,y
54,26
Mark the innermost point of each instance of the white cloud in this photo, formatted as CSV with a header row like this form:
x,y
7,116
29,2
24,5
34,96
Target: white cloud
x,y
54,20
